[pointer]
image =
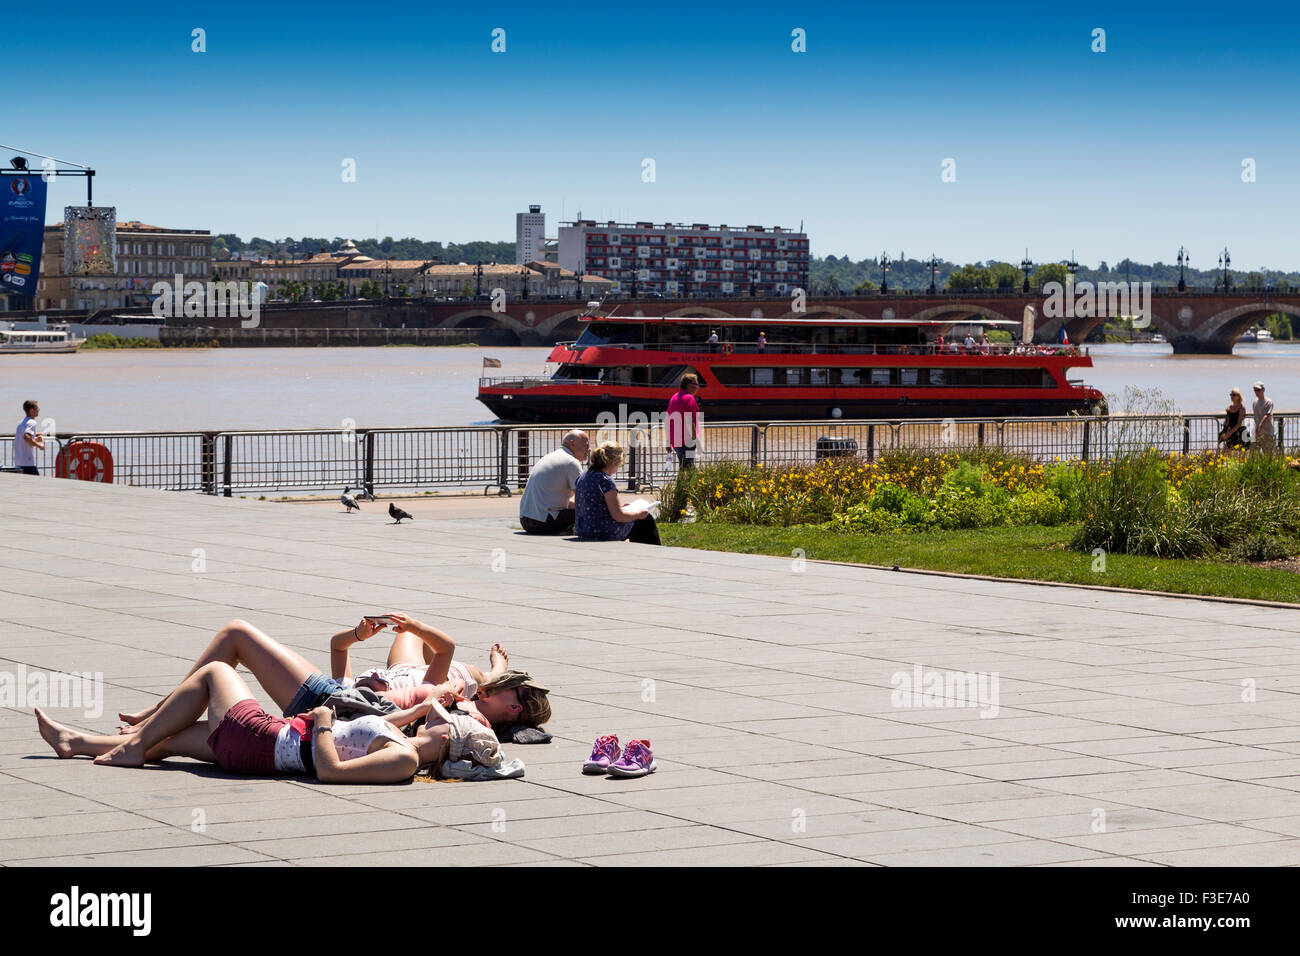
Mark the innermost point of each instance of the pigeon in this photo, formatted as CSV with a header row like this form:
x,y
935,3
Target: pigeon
x,y
348,501
367,492
397,514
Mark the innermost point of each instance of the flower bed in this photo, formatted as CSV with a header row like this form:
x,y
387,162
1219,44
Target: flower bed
x,y
1247,506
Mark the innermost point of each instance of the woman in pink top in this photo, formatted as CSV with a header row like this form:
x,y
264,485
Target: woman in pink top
x,y
683,422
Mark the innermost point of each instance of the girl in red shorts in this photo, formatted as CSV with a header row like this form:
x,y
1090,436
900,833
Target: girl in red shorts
x,y
241,737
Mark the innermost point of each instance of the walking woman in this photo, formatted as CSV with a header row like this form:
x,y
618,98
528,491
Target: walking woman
x,y
1234,424
600,514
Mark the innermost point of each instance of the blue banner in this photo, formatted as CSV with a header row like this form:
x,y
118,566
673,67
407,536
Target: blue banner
x,y
22,230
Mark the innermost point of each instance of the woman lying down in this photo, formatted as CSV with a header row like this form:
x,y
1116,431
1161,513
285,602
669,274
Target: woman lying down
x,y
241,737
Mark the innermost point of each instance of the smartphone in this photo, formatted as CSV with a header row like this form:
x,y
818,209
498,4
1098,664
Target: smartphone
x,y
379,619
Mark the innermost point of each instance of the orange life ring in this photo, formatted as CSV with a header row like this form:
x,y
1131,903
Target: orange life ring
x,y
84,461
727,348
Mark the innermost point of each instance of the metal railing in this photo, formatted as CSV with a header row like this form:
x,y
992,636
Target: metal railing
x,y
500,457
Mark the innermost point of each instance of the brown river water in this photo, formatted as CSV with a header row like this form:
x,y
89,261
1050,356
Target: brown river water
x,y
226,389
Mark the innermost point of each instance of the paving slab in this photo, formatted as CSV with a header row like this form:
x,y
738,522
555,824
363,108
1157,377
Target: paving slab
x,y
778,702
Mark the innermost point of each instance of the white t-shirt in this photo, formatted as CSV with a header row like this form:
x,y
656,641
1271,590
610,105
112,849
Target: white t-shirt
x,y
24,454
549,485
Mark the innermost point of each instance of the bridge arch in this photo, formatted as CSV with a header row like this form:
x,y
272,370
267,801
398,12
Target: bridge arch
x,y
1220,331
485,319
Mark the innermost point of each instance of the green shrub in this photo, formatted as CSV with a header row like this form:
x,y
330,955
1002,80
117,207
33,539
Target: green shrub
x,y
890,498
1067,480
864,519
967,476
1263,547
1040,506
1129,510
918,512
964,509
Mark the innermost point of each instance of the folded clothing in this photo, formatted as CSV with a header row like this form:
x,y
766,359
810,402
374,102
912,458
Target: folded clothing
x,y
468,770
523,734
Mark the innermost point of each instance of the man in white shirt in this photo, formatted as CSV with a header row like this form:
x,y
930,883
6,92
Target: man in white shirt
x,y
27,440
546,506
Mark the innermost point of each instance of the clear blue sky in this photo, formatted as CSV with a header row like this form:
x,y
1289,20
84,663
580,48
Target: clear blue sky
x,y
1129,152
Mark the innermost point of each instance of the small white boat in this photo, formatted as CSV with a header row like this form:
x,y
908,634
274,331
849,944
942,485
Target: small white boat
x,y
1263,335
48,339
1159,339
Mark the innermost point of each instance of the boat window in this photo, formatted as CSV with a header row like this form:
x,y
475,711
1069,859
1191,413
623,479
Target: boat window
x,y
881,376
764,376
937,376
606,334
850,376
819,376
908,376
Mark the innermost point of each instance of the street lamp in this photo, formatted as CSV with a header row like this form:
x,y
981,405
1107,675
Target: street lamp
x,y
1026,267
1225,261
1183,259
1071,269
478,278
934,271
884,273
388,273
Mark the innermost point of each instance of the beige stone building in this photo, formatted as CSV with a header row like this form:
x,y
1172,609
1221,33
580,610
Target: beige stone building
x,y
145,254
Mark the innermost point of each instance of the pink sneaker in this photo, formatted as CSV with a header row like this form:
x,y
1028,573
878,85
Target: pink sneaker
x,y
637,760
602,755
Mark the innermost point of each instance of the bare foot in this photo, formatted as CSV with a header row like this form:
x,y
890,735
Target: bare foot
x,y
498,657
128,754
56,735
132,719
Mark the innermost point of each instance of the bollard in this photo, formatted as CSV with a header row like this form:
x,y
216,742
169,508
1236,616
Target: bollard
x,y
369,472
228,449
208,463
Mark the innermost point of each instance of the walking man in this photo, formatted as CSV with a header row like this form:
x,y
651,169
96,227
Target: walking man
x,y
683,423
1263,409
546,506
27,440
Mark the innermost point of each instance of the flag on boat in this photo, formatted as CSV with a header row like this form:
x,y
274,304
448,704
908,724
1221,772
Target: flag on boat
x,y
491,363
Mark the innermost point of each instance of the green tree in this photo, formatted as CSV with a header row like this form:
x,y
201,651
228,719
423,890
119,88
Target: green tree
x,y
1005,275
969,279
866,285
1049,272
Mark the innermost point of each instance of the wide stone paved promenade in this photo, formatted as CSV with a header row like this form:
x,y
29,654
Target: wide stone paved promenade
x,y
1129,729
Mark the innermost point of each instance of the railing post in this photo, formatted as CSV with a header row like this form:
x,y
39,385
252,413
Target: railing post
x,y
753,446
871,442
228,448
503,444
1187,435
1281,435
208,463
633,459
521,453
980,432
1087,428
368,478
